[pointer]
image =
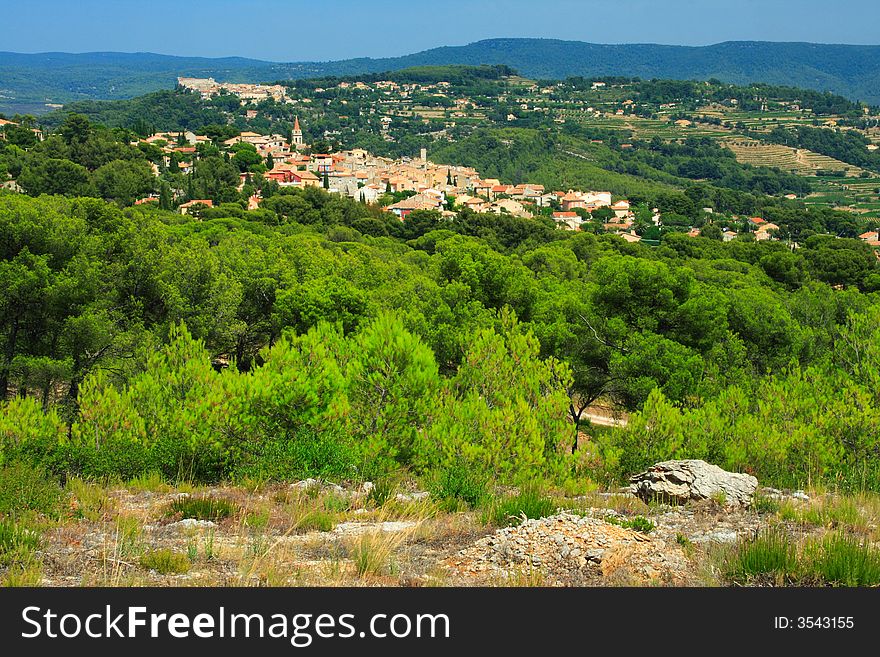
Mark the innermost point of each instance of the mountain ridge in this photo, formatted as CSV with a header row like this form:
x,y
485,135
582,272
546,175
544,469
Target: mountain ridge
x,y
849,70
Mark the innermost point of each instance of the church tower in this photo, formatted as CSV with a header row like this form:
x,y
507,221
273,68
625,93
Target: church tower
x,y
297,134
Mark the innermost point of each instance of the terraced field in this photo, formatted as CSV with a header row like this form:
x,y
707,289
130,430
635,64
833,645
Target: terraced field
x,y
800,161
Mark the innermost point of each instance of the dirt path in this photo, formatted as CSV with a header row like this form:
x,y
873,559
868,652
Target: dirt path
x,y
605,420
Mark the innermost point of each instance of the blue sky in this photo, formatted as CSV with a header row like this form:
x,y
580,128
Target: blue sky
x,y
298,30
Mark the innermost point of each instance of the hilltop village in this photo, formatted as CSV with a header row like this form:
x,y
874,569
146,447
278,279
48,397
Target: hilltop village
x,y
419,183
604,156
400,185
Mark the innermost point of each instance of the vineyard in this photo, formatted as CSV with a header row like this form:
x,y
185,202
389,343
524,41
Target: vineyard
x,y
800,161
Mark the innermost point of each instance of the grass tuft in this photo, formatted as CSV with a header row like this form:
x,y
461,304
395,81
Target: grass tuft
x,y
530,503
841,560
769,557
165,562
17,542
373,553
201,508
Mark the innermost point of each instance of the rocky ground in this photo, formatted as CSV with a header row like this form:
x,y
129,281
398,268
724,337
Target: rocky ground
x,y
310,533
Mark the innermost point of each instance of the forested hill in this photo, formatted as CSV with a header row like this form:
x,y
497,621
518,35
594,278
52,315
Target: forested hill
x,y
853,71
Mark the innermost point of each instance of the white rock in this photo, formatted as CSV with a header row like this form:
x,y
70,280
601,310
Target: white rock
x,y
721,536
305,484
191,523
681,481
412,497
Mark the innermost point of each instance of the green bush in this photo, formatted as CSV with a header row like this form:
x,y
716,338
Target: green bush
x,y
384,489
169,417
765,505
392,377
165,562
26,489
307,453
201,508
459,483
505,411
29,434
636,523
787,429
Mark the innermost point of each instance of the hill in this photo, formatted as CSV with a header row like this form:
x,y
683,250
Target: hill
x,y
29,81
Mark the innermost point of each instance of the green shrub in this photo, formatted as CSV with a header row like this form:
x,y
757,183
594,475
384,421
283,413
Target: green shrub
x,y
529,503
26,489
169,417
305,454
788,429
636,523
504,412
765,505
458,483
29,434
201,508
165,562
92,501
393,376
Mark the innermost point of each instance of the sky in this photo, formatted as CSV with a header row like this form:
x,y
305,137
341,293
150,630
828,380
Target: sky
x,y
321,30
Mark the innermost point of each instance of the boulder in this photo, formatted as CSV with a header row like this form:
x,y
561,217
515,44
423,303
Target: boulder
x,y
686,480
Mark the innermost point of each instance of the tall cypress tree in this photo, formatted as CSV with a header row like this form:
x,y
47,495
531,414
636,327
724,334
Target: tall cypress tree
x,y
165,201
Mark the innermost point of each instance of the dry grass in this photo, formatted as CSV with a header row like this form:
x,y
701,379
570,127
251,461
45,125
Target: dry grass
x,y
277,535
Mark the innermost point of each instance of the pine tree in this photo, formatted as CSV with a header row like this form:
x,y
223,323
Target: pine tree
x,y
448,176
388,187
270,162
326,181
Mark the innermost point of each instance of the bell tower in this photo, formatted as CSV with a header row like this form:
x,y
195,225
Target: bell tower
x,y
297,134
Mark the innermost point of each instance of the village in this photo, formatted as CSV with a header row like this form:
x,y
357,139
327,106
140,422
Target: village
x,y
423,185
416,183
